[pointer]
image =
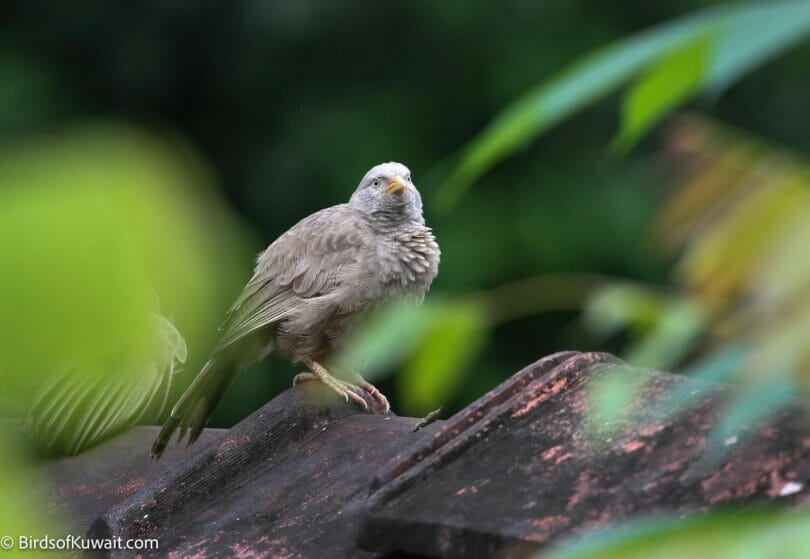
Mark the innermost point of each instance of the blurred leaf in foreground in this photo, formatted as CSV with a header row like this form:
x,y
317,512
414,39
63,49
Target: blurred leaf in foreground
x,y
611,401
101,226
722,535
19,515
76,409
386,339
664,325
741,216
740,311
453,336
434,342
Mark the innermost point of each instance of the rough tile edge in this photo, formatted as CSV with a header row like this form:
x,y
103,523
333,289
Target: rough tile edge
x,y
466,418
308,404
471,417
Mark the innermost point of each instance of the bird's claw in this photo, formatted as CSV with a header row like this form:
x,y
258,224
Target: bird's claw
x,y
359,399
349,390
344,388
303,377
374,392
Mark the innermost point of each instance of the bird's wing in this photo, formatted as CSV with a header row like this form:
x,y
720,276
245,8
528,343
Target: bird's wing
x,y
309,260
78,408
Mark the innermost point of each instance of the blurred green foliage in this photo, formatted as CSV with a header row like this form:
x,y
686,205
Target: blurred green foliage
x,y
722,535
254,86
19,515
99,227
287,104
434,344
705,51
739,217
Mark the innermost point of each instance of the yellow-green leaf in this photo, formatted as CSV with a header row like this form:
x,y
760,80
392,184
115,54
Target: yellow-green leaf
x,y
664,86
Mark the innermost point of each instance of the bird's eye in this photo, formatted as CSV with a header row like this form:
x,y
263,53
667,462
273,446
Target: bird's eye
x,y
409,178
375,183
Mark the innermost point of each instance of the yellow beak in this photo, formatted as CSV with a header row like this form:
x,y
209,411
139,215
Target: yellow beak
x,y
396,185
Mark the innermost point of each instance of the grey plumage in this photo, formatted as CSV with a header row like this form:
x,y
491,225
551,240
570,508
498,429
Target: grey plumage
x,y
313,284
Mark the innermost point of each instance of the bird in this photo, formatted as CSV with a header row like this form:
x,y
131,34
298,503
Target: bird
x,y
310,289
83,404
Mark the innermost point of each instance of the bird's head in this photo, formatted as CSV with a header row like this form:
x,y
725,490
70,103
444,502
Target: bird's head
x,y
388,193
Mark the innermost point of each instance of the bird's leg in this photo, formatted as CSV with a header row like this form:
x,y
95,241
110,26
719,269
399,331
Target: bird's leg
x,y
343,388
306,375
372,390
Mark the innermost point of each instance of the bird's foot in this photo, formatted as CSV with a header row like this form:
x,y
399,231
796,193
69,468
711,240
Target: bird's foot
x,y
345,389
303,377
374,392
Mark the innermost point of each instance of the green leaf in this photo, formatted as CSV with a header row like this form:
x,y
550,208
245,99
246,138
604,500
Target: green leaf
x,y
100,225
755,34
720,365
609,398
762,534
621,305
717,367
586,81
673,335
744,36
20,513
387,339
755,404
453,337
664,86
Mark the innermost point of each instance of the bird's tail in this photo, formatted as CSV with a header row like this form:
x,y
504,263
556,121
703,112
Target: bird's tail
x,y
198,402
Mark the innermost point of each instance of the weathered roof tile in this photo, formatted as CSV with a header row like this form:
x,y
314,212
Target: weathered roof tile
x,y
309,475
519,468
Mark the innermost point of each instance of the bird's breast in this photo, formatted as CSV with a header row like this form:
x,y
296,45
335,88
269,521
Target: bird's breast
x,y
409,261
